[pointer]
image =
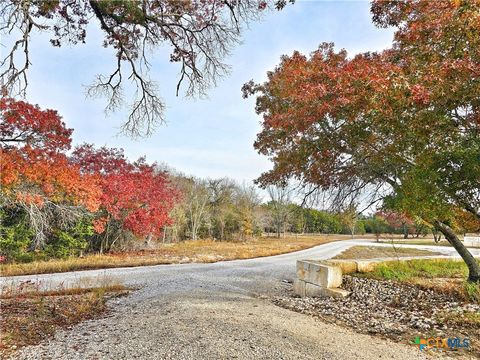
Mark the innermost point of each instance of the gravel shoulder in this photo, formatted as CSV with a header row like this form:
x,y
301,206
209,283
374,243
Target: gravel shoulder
x,y
211,311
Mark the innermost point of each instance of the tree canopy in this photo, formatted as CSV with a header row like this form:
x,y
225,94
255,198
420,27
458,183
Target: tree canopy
x,y
402,124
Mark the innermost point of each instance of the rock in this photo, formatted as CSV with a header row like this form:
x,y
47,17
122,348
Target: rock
x,y
381,307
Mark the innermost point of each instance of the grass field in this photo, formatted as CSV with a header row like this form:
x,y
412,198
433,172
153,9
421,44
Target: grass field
x,y
374,252
200,251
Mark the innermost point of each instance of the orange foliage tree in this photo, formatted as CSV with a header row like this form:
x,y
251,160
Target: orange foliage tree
x,y
35,172
402,125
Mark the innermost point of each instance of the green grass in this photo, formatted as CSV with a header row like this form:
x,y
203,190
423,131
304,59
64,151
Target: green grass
x,y
425,268
473,292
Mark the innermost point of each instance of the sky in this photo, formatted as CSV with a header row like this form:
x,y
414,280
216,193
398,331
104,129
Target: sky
x,y
210,137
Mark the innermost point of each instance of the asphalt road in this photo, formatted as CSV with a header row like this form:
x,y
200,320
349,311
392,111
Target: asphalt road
x,y
209,311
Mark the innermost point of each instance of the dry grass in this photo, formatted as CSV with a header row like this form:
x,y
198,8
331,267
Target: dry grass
x,y
458,288
429,242
373,252
464,320
29,316
421,241
201,251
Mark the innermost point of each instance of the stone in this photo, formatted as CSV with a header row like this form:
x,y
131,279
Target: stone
x,y
304,289
336,293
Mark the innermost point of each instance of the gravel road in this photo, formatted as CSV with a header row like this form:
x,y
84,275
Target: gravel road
x,y
210,311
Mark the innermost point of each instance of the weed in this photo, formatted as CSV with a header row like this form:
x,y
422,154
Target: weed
x,y
473,292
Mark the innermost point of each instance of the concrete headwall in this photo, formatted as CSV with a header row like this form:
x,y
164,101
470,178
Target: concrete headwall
x,y
316,278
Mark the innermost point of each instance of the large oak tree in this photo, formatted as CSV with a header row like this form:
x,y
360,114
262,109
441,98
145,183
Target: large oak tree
x,y
402,125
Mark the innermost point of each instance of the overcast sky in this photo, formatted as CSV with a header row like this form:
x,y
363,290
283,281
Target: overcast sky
x,y
207,138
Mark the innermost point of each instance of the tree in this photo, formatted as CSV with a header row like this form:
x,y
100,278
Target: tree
x,y
221,205
36,177
200,34
401,125
398,222
195,202
298,220
376,224
135,197
279,207
349,218
246,201
322,221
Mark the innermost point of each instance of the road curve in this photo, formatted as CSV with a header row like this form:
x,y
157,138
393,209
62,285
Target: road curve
x,y
209,311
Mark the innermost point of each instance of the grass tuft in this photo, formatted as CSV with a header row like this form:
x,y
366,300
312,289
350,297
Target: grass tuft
x,y
426,268
444,275
473,292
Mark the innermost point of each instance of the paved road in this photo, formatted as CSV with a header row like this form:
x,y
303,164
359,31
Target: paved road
x,y
210,311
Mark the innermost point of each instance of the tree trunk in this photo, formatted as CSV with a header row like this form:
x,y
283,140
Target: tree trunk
x,y
148,240
472,264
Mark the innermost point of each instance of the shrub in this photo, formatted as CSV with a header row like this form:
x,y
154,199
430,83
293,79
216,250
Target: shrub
x,y
71,242
15,236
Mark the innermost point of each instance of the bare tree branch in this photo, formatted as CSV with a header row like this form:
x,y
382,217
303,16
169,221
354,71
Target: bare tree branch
x,y
200,34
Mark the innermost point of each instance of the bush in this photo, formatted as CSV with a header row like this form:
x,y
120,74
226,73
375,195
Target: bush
x,y
15,236
71,242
